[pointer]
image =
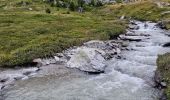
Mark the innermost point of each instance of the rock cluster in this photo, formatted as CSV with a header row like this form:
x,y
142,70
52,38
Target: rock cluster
x,y
91,57
7,79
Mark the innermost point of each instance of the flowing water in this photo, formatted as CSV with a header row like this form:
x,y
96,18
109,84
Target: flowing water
x,y
129,78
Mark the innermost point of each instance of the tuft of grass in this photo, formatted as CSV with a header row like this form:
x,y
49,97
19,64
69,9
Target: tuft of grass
x,y
163,63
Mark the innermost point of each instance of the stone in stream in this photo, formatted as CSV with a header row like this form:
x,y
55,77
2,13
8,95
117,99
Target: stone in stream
x,y
4,79
163,84
133,22
110,48
30,71
60,60
161,25
95,44
166,44
134,34
2,86
131,38
18,76
134,27
88,60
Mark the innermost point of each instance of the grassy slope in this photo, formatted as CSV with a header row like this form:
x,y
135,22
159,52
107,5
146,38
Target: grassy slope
x,y
25,34
147,10
163,63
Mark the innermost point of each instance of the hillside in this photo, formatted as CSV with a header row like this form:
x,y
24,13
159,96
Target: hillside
x,y
27,31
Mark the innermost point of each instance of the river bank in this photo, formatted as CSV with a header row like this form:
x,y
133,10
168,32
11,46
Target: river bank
x,y
163,74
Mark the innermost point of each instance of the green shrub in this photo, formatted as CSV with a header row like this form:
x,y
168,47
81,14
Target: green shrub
x,y
47,10
99,3
119,1
72,6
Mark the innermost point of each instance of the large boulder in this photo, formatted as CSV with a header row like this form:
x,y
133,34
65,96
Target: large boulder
x,y
88,60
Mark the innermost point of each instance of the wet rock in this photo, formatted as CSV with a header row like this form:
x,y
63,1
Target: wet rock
x,y
163,95
60,55
43,62
30,71
57,58
18,76
158,81
38,61
88,60
48,61
142,34
133,22
125,44
95,44
4,79
168,33
163,84
166,44
135,34
122,17
118,57
157,78
61,60
130,38
110,48
134,27
2,86
161,25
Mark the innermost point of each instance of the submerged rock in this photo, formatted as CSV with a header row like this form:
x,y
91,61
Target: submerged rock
x,y
30,71
4,79
134,27
166,44
18,76
134,34
88,60
161,25
131,38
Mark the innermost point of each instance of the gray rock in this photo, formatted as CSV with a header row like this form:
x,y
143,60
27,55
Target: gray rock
x,y
134,27
163,84
38,61
161,24
30,71
166,44
134,34
131,38
88,60
95,44
18,76
4,79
